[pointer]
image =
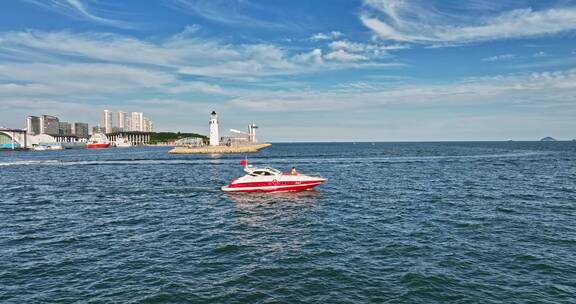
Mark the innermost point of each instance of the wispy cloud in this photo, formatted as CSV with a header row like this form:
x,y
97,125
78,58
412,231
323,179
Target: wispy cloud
x,y
230,12
104,68
540,54
529,89
421,22
187,54
81,9
363,51
503,57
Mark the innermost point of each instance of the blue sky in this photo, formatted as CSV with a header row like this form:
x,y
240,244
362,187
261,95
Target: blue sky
x,y
366,70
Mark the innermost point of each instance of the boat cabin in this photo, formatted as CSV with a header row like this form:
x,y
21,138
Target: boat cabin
x,y
267,171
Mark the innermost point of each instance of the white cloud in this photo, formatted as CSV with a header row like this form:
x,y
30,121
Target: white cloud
x,y
116,48
195,86
536,88
499,58
421,22
105,68
326,36
78,78
315,57
342,55
182,53
364,50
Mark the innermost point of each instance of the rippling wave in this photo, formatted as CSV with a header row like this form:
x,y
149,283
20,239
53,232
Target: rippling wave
x,y
395,223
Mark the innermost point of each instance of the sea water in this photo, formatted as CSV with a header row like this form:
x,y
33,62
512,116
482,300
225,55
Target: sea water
x,y
460,222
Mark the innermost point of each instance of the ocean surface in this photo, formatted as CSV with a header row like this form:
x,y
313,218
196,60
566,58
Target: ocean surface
x,y
457,222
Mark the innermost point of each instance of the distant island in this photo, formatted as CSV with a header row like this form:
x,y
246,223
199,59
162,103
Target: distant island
x,y
548,138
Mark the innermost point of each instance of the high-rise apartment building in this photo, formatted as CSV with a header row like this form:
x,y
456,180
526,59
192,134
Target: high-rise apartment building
x,y
148,126
123,121
33,125
106,121
137,121
49,125
80,129
64,128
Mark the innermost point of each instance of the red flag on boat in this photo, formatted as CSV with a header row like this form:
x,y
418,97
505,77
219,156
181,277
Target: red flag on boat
x,y
243,162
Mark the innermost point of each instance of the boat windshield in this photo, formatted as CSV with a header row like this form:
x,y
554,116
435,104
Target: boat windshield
x,y
265,172
276,172
260,172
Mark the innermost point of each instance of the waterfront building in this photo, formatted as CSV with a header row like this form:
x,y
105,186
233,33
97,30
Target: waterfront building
x,y
64,128
122,121
33,125
98,129
80,129
214,137
137,119
148,126
49,125
106,121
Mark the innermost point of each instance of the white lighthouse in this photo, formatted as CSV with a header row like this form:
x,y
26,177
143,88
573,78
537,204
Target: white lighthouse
x,y
214,136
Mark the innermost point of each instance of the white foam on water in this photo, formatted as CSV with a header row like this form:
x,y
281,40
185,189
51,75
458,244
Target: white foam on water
x,y
30,162
264,161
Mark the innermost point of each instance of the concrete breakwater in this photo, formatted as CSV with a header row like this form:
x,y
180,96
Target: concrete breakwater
x,y
252,148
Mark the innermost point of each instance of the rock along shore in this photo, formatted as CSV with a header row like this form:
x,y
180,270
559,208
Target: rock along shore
x,y
219,149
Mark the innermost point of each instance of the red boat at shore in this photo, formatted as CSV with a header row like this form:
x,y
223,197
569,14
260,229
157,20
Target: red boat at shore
x,y
97,146
98,141
271,180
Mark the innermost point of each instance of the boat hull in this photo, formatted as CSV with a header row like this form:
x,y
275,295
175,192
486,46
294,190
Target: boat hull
x,y
272,186
97,146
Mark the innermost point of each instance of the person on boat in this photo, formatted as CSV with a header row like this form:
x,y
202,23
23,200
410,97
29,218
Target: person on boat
x,y
293,171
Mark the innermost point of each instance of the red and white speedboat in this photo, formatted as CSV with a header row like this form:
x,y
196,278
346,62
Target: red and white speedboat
x,y
271,180
98,141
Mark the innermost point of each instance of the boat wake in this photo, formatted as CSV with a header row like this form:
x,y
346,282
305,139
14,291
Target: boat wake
x,y
301,160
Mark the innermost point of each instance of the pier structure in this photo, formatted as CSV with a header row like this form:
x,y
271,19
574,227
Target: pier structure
x,y
246,142
136,138
13,138
249,148
69,139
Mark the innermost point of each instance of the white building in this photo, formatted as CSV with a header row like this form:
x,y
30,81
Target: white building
x,y
214,136
33,125
148,125
137,121
123,121
106,121
80,129
49,125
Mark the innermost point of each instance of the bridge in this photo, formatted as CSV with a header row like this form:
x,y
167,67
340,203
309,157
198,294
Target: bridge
x,y
13,138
